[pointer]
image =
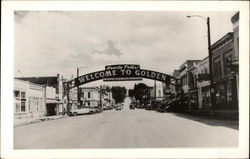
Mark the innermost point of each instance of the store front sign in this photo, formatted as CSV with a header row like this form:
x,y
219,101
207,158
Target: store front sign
x,y
203,77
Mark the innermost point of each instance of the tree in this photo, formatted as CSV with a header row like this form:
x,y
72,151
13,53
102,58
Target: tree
x,y
119,93
140,90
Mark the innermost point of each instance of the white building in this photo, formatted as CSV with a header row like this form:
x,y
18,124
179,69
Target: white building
x,y
157,92
90,96
29,100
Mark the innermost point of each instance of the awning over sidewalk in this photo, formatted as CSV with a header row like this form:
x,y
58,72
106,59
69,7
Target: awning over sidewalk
x,y
53,101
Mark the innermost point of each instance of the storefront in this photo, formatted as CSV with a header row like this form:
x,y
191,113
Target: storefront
x,y
29,100
226,94
206,98
193,99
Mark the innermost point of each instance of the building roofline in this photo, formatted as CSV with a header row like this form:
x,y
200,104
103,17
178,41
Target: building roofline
x,y
222,40
235,17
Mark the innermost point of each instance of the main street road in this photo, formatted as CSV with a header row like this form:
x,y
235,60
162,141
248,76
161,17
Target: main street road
x,y
127,129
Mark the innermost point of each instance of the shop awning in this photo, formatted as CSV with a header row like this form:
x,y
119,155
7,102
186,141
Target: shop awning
x,y
51,101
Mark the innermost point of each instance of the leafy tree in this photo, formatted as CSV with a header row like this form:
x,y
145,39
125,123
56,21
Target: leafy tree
x,y
119,93
140,90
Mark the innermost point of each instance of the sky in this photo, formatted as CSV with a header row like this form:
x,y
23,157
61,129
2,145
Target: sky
x,y
51,42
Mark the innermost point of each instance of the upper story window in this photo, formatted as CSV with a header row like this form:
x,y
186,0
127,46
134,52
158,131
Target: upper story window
x,y
159,93
17,94
88,94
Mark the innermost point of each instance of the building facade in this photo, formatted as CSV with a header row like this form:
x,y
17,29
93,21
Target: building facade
x,y
224,81
235,59
29,100
156,93
203,84
54,105
185,78
193,89
90,96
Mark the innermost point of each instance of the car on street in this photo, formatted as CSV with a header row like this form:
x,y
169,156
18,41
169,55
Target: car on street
x,y
119,106
174,105
81,111
148,106
132,106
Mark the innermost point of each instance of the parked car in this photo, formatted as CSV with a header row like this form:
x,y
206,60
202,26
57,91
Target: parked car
x,y
98,109
174,105
148,106
162,107
109,107
119,107
132,106
80,111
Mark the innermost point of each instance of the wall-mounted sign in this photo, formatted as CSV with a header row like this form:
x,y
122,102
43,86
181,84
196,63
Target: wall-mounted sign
x,y
203,77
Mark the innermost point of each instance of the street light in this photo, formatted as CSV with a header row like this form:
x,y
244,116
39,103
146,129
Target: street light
x,y
78,88
209,54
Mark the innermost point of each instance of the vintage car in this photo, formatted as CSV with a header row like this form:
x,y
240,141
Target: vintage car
x,y
83,110
132,105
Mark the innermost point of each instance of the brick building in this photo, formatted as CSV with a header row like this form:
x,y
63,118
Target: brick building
x,y
224,81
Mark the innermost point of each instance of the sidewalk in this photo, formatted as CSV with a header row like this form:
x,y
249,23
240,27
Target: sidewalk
x,y
223,114
20,122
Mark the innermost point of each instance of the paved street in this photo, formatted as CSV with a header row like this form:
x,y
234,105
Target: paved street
x,y
127,129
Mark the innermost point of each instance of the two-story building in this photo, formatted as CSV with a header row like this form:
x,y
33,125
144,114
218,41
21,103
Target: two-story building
x,y
184,76
90,96
224,81
193,89
203,84
156,93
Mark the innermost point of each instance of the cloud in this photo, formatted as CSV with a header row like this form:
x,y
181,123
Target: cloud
x,y
61,41
111,50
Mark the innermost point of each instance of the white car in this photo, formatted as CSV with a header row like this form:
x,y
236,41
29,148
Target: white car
x,y
80,111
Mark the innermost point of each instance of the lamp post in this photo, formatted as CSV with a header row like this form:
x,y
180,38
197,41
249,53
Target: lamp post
x,y
209,55
78,88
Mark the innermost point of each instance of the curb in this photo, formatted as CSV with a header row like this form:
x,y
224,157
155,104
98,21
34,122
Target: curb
x,y
38,120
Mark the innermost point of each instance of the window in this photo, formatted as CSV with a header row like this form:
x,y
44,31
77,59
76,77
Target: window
x,y
20,101
88,94
238,44
23,95
17,94
159,93
23,106
17,107
206,71
217,69
229,92
227,61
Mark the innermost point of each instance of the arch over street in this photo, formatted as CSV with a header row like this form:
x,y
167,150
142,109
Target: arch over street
x,y
121,72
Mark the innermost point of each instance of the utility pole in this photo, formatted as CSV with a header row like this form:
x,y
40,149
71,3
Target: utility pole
x,y
155,90
210,65
78,89
100,96
209,57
